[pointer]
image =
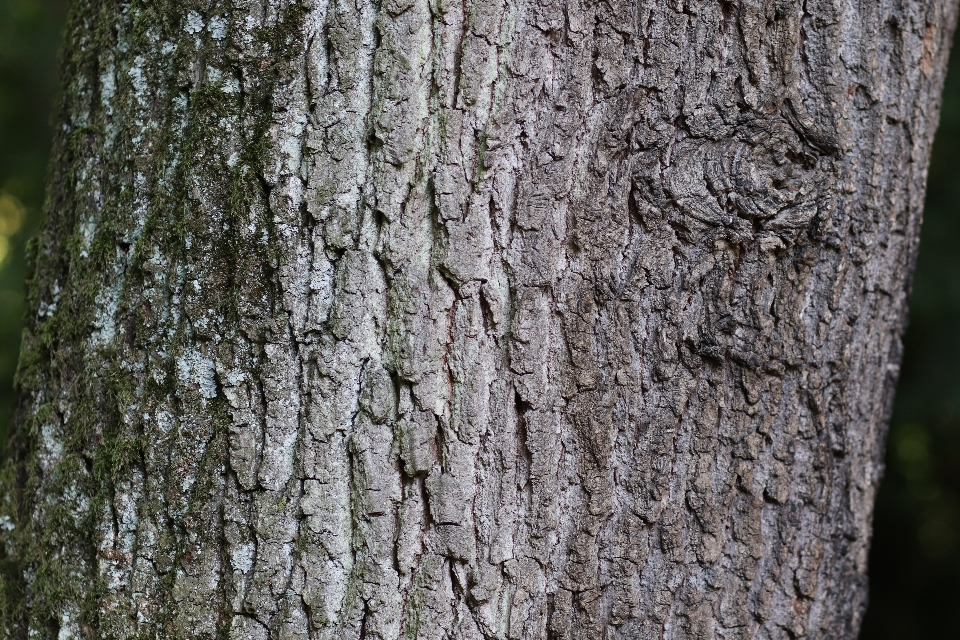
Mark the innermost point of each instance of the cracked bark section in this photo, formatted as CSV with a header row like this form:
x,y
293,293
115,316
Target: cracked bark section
x,y
467,318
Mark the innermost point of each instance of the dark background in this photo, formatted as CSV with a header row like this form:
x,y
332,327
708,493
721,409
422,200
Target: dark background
x,y
915,563
29,39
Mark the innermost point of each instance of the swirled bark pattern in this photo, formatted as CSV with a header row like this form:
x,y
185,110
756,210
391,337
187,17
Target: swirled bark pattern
x,y
472,319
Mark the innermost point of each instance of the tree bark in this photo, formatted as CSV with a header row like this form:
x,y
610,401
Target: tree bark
x,y
467,319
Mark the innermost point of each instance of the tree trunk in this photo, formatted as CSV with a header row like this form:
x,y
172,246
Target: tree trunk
x,y
468,319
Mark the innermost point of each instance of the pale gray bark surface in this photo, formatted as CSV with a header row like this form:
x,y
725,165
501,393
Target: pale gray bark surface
x,y
468,319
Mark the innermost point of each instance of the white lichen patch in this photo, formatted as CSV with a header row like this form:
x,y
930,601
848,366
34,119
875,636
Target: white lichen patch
x,y
218,26
197,372
138,76
68,627
194,24
108,87
48,308
105,321
241,557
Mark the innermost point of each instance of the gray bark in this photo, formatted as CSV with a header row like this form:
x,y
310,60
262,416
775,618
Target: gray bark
x,y
468,319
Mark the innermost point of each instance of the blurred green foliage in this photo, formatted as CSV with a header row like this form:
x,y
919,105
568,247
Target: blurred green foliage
x,y
915,562
29,40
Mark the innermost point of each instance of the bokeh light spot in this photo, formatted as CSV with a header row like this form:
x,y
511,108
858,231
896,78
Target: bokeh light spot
x,y
12,214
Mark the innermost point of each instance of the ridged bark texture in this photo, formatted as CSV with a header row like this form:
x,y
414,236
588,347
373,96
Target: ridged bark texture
x,y
468,319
